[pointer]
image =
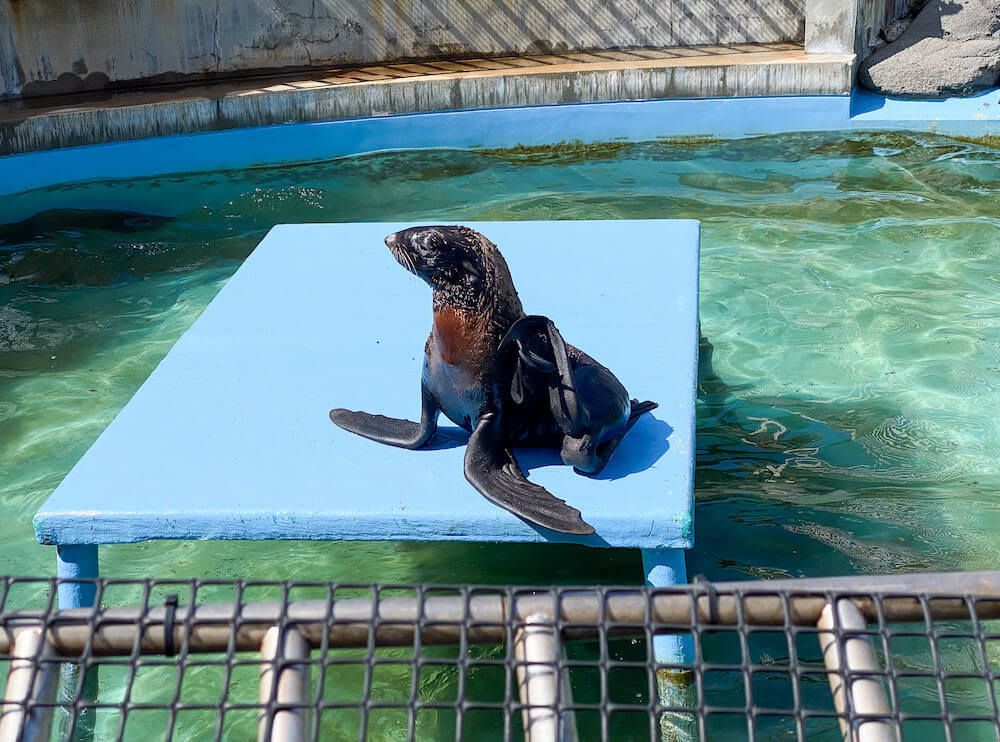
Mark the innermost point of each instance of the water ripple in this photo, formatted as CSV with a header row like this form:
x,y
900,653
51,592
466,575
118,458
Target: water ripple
x,y
850,287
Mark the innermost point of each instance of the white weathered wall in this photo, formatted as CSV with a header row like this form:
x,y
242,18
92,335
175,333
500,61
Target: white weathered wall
x,y
848,26
53,46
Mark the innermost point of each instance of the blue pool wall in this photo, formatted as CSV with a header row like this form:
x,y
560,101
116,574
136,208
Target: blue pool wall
x,y
722,118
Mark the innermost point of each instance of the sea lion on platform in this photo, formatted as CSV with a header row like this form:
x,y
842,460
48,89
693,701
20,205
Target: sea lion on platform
x,y
509,379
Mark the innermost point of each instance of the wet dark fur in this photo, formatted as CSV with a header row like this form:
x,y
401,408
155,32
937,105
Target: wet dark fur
x,y
509,379
469,278
472,286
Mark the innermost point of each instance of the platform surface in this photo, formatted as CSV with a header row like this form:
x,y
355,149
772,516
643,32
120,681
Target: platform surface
x,y
229,438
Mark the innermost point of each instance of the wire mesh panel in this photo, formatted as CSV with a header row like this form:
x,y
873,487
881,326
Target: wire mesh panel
x,y
911,658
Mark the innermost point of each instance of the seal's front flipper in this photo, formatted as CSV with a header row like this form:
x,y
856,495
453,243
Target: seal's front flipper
x,y
490,468
389,430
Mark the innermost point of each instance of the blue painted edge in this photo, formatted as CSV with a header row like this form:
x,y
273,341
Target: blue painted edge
x,y
77,562
67,529
495,128
479,128
944,114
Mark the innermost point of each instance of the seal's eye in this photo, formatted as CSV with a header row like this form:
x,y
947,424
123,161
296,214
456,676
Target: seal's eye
x,y
428,243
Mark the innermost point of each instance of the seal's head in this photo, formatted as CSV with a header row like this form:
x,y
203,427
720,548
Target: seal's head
x,y
463,267
441,256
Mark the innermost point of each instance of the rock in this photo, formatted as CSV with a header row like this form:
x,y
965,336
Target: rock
x,y
894,30
952,48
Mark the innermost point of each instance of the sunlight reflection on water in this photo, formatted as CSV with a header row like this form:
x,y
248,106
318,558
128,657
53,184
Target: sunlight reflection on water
x,y
849,289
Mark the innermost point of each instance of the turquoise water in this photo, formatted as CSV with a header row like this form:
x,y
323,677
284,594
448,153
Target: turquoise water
x,y
850,288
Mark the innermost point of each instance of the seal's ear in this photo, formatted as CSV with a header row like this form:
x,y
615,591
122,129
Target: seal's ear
x,y
471,272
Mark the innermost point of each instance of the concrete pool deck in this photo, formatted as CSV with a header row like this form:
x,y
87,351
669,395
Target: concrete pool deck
x,y
727,70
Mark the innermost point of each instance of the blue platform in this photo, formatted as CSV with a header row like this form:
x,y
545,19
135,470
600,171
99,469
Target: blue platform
x,y
229,437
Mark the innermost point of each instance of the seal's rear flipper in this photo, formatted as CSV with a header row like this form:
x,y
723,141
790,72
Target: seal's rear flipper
x,y
638,410
490,468
530,334
389,430
604,451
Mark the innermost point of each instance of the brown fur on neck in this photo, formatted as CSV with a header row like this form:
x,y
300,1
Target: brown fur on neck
x,y
461,339
469,325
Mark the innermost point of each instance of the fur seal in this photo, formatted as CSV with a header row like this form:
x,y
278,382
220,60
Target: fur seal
x,y
508,378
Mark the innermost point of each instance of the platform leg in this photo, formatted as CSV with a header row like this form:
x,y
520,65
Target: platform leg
x,y
666,568
77,562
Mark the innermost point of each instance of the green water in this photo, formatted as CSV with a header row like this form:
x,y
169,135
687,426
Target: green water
x,y
850,286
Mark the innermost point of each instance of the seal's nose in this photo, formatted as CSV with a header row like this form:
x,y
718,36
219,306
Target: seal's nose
x,y
392,240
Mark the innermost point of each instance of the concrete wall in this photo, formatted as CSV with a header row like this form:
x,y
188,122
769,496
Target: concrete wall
x,y
56,46
848,26
873,16
744,75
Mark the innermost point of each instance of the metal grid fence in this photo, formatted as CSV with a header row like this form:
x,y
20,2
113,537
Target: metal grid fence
x,y
887,658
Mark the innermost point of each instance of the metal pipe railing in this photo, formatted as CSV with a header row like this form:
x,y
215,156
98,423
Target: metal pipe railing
x,y
537,623
481,618
857,692
284,685
542,689
32,680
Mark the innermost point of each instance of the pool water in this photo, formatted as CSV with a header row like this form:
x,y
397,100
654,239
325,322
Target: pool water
x,y
850,293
